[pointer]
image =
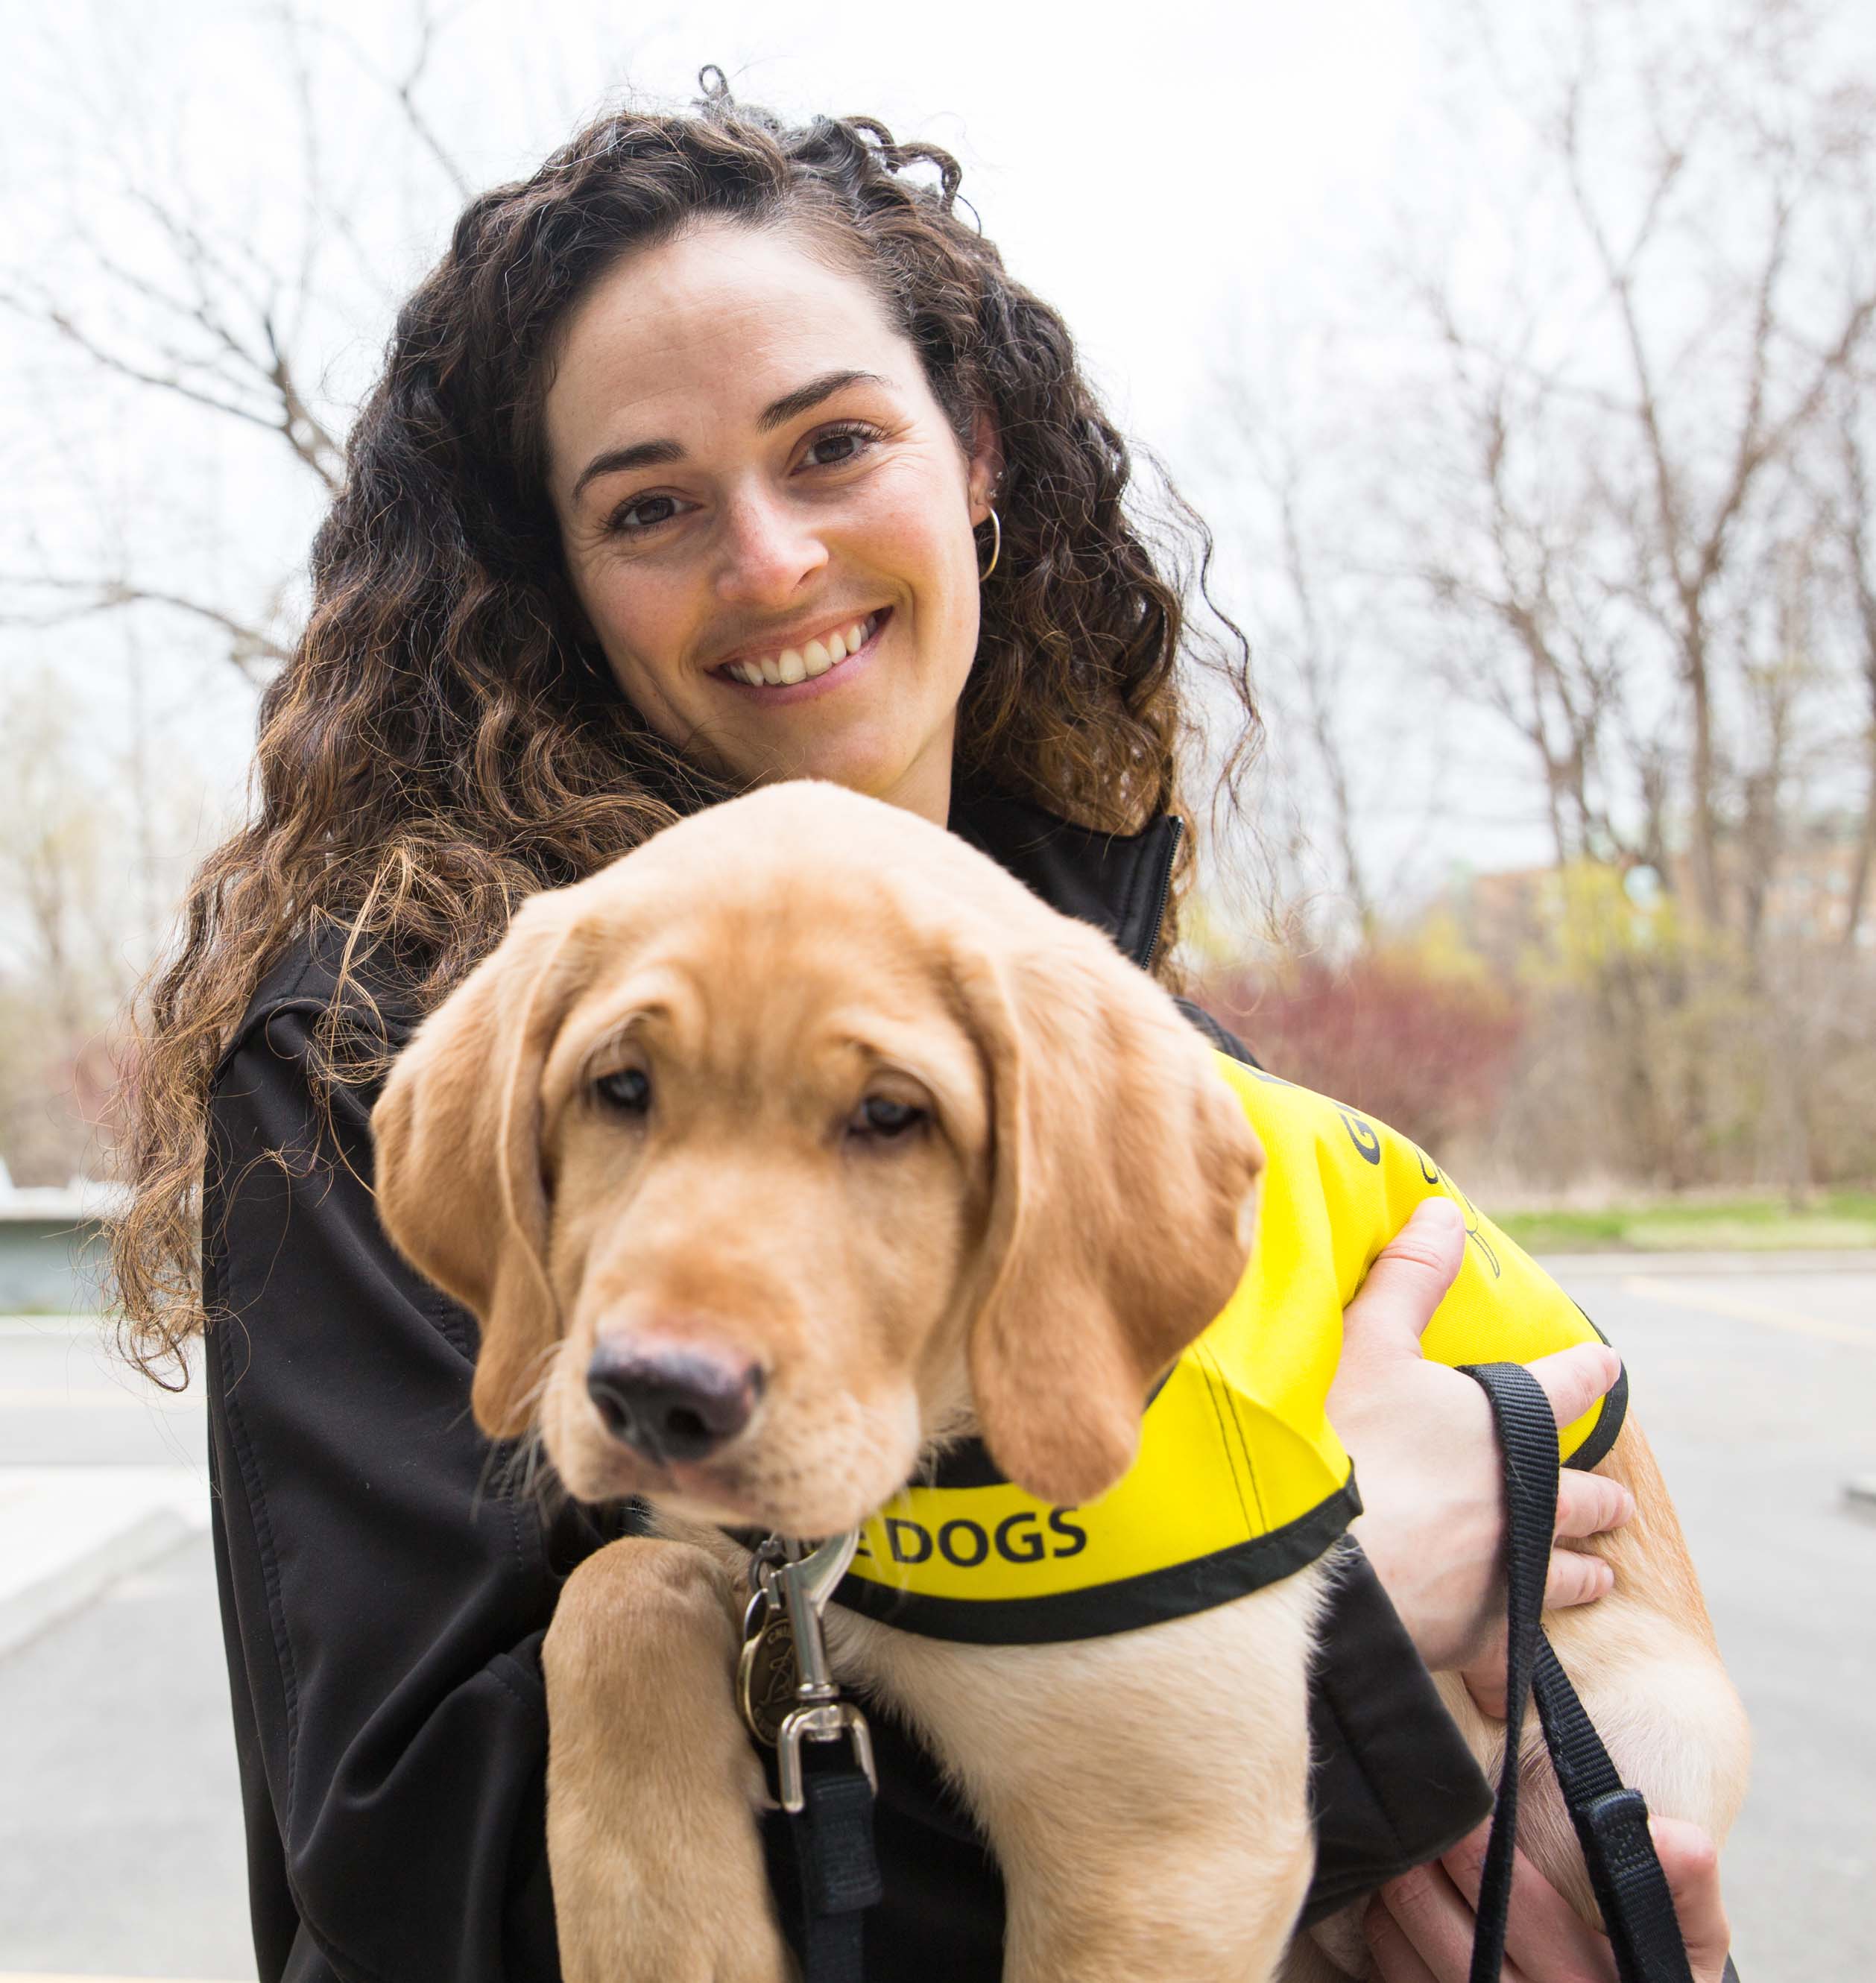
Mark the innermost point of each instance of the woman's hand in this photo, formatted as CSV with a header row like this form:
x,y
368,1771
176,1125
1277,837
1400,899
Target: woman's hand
x,y
1419,1927
1426,1461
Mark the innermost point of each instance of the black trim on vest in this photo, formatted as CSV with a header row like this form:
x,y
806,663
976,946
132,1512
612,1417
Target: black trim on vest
x,y
1175,1591
1220,1035
1615,1410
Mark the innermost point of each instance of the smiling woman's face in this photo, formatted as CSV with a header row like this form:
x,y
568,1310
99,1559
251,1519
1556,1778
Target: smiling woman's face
x,y
767,517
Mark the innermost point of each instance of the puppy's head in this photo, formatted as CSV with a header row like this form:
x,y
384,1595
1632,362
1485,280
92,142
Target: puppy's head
x,y
779,1146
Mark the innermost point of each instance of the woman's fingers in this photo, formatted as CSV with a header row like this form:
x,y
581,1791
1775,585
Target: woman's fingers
x,y
1394,1957
1573,1379
1485,1675
1589,1505
1575,1579
1545,1938
1408,1281
1420,1930
1692,1865
1421,1435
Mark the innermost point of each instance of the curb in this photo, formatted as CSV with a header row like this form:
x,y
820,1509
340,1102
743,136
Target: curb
x,y
1817,1260
28,1613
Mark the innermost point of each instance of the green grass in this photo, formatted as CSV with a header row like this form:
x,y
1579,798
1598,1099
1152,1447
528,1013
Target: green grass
x,y
1718,1225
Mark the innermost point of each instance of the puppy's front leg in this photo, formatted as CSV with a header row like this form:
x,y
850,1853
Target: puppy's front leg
x,y
1147,1794
652,1786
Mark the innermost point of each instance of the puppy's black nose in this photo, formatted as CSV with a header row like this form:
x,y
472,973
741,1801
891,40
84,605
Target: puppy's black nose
x,y
669,1402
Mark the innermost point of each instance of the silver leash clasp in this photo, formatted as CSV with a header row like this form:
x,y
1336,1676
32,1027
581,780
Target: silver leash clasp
x,y
803,1584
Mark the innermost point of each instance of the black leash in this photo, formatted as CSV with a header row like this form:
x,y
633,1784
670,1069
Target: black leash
x,y
832,1834
1611,1820
790,1703
1527,1440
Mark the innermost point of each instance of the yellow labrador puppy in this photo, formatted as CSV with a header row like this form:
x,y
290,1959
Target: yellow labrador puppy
x,y
792,1149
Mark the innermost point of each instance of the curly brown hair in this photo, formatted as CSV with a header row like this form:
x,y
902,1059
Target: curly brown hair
x,y
447,739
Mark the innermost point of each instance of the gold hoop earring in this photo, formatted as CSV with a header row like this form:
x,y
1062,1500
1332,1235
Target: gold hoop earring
x,y
996,546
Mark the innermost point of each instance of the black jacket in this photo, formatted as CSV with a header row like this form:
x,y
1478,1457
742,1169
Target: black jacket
x,y
385,1588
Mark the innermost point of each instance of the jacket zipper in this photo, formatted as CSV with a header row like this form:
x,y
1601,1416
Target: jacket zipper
x,y
1165,891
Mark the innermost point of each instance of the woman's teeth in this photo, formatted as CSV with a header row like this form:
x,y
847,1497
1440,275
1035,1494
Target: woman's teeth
x,y
803,663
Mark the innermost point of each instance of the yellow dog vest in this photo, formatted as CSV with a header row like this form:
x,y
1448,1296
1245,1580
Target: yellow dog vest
x,y
1240,1479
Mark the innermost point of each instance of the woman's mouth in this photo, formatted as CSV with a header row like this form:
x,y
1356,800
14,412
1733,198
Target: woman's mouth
x,y
792,667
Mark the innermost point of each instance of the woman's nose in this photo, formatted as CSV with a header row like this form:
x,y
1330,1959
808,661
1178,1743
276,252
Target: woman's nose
x,y
769,548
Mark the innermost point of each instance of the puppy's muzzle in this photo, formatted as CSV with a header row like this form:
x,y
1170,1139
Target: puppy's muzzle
x,y
669,1402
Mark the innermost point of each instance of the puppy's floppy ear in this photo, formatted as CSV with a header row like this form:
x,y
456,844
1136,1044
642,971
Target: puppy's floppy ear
x,y
1122,1207
457,1132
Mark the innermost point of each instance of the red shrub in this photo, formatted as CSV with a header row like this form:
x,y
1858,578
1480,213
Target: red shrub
x,y
1429,1053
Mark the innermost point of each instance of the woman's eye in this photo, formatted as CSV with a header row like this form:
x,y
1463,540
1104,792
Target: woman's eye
x,y
630,1090
646,513
835,449
880,1115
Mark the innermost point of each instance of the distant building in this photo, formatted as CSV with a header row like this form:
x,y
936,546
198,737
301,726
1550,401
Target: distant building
x,y
49,1241
1809,899
1505,915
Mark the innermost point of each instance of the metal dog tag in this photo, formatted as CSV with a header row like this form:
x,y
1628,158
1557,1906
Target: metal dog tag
x,y
768,1677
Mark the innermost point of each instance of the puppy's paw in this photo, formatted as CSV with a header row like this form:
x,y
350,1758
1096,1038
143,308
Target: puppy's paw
x,y
653,1788
664,1889
703,1941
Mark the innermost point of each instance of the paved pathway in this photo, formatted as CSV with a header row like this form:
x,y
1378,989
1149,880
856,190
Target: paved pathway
x,y
120,1850
120,1837
1757,1387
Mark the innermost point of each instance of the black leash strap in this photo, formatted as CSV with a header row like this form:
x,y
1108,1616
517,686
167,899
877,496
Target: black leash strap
x,y
1611,1820
832,1835
1528,1439
1612,1826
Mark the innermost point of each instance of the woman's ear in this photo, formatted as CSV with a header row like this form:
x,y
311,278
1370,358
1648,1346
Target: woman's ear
x,y
986,467
457,1133
1122,1207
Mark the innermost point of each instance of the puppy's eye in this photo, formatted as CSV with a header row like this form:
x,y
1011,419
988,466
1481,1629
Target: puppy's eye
x,y
628,1090
880,1116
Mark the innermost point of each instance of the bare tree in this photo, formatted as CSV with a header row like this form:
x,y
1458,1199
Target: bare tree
x,y
1624,412
1605,477
1323,609
67,957
181,317
1857,532
1522,596
1306,643
158,290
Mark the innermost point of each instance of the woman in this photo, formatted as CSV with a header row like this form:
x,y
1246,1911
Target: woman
x,y
680,476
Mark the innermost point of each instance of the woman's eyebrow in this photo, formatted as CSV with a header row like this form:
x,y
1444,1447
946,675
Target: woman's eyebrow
x,y
804,399
617,461
790,406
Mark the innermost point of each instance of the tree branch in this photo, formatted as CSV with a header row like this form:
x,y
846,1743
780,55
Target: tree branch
x,y
250,648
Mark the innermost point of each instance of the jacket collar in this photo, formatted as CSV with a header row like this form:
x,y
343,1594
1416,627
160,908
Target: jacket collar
x,y
1118,881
